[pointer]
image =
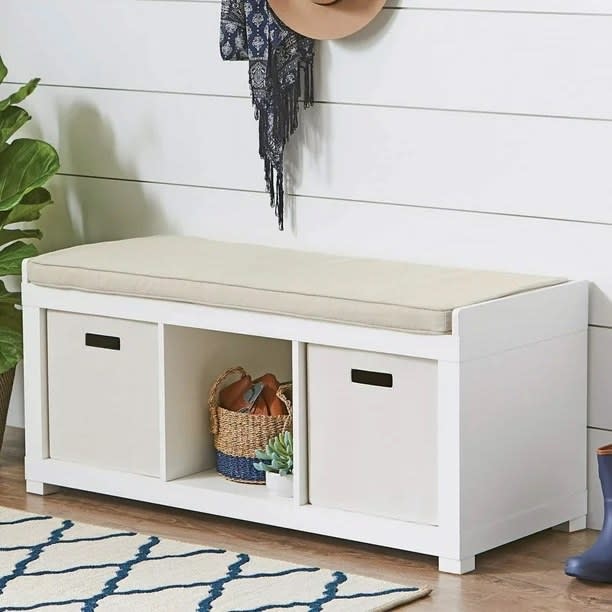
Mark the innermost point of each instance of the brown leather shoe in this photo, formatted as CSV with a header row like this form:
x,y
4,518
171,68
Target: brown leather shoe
x,y
273,406
233,398
257,397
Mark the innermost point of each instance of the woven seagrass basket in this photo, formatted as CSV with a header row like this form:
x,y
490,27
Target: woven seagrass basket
x,y
238,435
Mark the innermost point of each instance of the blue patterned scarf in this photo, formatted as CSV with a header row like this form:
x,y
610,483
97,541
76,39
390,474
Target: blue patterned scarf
x,y
280,72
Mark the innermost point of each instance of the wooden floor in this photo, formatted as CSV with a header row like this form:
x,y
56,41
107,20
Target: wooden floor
x,y
520,577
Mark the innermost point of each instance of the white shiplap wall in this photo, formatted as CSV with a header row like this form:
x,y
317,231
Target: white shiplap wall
x,y
467,132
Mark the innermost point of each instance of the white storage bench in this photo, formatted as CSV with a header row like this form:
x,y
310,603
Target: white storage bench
x,y
436,410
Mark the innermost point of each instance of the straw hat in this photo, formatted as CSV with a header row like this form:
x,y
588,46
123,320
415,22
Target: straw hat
x,y
326,19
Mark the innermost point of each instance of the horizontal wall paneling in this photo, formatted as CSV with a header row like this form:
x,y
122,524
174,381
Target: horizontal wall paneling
x,y
487,61
596,7
493,163
572,7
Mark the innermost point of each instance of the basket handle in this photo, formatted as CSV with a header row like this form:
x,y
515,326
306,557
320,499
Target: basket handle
x,y
212,396
283,398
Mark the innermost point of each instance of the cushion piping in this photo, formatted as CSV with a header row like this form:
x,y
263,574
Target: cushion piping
x,y
254,288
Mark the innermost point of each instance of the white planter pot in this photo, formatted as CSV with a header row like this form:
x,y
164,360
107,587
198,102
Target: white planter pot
x,y
279,485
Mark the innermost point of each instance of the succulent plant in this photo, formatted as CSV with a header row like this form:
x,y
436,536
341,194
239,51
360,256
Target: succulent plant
x,y
277,457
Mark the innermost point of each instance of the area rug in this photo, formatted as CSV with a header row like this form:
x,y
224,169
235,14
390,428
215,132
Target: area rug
x,y
54,564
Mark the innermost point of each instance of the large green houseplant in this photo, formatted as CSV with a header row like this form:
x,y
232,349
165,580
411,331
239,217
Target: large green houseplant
x,y
25,166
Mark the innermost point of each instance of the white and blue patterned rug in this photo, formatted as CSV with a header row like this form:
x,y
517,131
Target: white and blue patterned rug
x,y
54,564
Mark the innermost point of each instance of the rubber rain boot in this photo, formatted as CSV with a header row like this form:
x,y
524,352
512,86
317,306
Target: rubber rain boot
x,y
596,563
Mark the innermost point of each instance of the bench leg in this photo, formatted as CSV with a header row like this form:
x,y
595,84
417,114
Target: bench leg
x,y
456,566
577,524
40,488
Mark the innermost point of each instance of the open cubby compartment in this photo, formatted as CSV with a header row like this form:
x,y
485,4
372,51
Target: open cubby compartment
x,y
192,359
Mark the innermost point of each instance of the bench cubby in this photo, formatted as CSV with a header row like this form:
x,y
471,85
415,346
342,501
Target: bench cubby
x,y
192,360
448,440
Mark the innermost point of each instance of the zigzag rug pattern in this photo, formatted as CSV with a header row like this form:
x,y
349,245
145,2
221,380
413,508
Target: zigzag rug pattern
x,y
53,564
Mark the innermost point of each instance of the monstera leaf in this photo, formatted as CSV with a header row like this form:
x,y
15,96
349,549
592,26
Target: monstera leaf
x,y
25,167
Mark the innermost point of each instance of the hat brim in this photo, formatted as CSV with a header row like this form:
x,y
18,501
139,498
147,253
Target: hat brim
x,y
326,21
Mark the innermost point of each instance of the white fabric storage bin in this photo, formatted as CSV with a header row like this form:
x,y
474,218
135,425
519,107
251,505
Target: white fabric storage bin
x,y
103,392
372,427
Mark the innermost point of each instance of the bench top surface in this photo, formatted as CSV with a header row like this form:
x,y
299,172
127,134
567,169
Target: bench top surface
x,y
368,292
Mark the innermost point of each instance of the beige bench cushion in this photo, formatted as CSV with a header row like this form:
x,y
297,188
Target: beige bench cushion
x,y
375,293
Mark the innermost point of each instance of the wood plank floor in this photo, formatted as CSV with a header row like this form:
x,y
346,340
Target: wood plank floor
x,y
521,577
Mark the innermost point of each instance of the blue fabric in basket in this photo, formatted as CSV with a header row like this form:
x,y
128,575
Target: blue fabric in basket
x,y
239,468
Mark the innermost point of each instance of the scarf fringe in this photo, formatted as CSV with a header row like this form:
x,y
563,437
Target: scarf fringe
x,y
278,120
281,66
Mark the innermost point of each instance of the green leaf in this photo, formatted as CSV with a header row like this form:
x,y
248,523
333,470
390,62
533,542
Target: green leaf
x,y
10,317
11,349
11,119
259,454
7,235
28,209
25,165
3,71
20,95
9,297
12,256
